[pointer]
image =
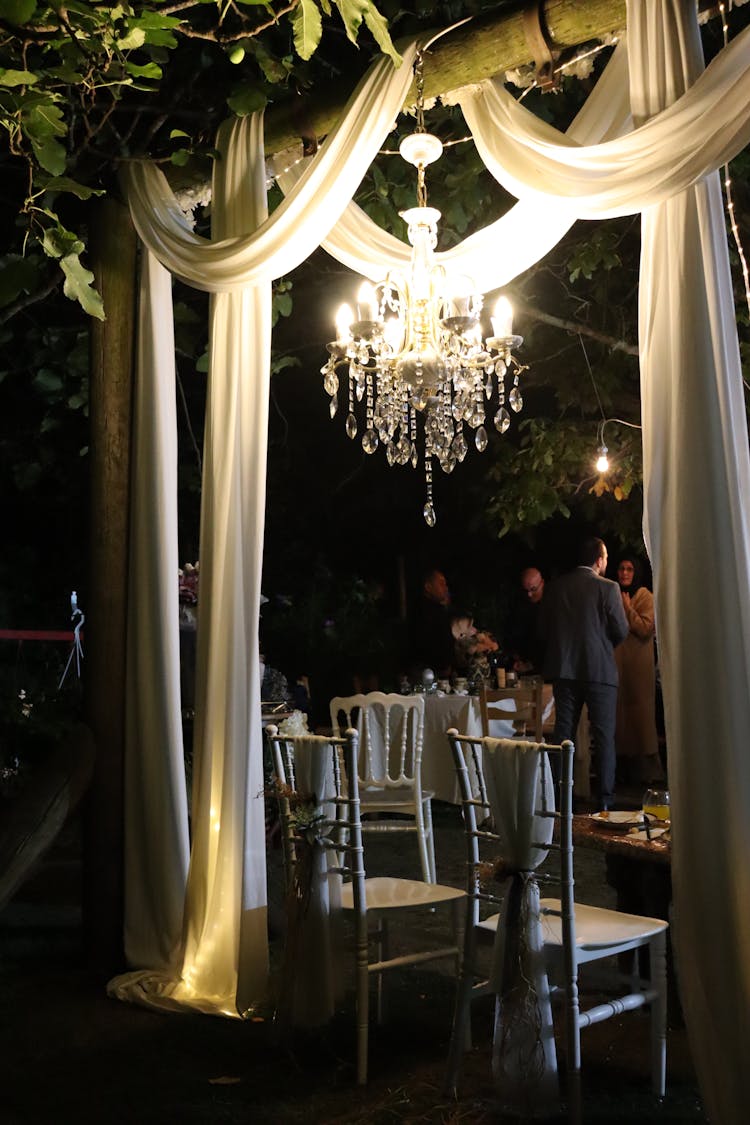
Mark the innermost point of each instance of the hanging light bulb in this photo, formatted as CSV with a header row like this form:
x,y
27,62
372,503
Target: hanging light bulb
x,y
602,461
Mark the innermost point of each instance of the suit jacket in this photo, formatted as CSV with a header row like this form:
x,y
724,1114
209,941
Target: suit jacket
x,y
582,622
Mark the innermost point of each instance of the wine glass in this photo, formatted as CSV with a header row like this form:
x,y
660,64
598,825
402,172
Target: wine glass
x,y
656,804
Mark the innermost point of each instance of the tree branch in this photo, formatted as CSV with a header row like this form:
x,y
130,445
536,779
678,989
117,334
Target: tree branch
x,y
575,327
31,299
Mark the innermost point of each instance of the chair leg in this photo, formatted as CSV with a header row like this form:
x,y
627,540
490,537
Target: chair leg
x,y
572,1042
658,951
362,1002
423,818
461,1031
430,840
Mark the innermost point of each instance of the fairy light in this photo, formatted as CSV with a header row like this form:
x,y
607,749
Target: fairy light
x,y
728,189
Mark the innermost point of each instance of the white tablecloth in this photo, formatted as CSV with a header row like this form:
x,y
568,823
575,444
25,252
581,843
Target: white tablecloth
x,y
442,712
462,712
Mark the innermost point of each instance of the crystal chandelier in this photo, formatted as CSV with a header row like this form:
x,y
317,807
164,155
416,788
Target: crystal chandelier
x,y
415,352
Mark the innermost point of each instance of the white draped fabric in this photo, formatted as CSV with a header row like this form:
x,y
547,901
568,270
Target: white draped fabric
x,y
156,821
505,248
697,486
696,461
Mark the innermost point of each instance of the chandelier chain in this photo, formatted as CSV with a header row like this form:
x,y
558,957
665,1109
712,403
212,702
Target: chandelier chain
x,y
419,80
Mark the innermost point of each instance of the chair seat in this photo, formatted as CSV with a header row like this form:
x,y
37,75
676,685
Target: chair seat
x,y
597,927
385,893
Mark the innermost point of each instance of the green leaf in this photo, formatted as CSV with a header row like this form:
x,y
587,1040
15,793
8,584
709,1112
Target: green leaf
x,y
180,157
280,363
246,99
42,118
17,77
78,286
307,27
148,70
354,11
17,11
59,242
50,154
65,183
175,133
17,275
135,38
47,380
274,70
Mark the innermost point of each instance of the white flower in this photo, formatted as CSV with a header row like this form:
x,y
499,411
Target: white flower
x,y
294,724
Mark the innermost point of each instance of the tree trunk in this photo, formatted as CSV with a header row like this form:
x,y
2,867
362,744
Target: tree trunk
x,y
113,252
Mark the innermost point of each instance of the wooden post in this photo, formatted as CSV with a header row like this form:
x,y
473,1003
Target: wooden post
x,y
113,246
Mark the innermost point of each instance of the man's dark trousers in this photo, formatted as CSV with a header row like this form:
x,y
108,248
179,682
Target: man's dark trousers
x,y
601,700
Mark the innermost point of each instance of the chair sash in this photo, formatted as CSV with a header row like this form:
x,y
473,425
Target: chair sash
x,y
524,1063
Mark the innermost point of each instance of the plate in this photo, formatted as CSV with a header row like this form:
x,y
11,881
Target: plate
x,y
621,819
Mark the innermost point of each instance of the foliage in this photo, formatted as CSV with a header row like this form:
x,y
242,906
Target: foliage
x,y
35,712
85,86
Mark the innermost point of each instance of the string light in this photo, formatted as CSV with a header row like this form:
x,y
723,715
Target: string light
x,y
728,192
602,461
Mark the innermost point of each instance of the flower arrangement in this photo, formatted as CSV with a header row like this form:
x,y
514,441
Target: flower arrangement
x,y
481,647
294,724
188,593
188,583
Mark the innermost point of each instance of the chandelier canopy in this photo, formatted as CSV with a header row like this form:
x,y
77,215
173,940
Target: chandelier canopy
x,y
415,348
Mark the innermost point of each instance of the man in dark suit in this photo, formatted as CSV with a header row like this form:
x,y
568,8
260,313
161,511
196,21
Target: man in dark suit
x,y
582,623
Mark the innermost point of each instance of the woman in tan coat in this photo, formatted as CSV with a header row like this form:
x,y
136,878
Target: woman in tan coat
x,y
635,738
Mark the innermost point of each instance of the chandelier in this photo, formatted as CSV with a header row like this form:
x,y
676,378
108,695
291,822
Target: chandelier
x,y
415,355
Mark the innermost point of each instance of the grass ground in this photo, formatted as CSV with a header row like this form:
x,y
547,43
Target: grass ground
x,y
71,1056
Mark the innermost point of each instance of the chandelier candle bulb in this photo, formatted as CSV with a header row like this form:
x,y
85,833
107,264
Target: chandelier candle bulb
x,y
602,461
344,321
502,319
367,302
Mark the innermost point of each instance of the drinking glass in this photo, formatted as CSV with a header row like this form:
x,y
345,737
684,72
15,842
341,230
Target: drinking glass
x,y
656,803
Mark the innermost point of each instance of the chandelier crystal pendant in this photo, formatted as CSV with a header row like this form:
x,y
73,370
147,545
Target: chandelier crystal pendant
x,y
414,354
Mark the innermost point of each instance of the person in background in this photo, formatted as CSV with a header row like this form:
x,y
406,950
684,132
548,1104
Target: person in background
x,y
433,640
526,643
636,739
582,622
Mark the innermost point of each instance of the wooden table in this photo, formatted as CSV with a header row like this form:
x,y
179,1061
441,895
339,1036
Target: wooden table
x,y
587,833
640,872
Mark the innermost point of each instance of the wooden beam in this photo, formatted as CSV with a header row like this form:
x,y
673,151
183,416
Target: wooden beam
x,y
475,51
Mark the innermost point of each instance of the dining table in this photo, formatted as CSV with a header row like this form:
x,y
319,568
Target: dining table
x,y
639,870
461,711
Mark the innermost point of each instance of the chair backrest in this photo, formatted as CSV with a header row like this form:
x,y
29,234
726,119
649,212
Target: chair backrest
x,y
483,805
316,779
391,730
527,715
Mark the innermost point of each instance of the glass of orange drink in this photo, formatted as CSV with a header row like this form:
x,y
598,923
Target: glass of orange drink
x,y
656,803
